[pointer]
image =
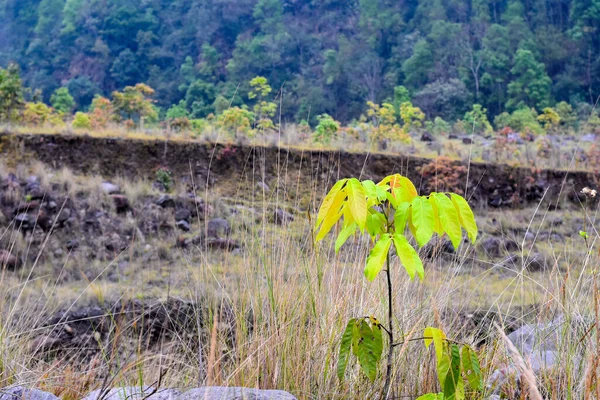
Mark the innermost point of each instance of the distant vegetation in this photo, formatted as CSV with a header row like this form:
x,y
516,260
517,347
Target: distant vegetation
x,y
320,57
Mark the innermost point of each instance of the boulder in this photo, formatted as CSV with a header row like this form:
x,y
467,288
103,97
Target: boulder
x,y
262,187
183,214
23,393
282,217
427,137
110,188
121,203
165,201
8,260
134,393
183,225
218,228
234,393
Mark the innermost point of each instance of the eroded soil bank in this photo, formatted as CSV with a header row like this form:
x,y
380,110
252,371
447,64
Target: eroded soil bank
x,y
495,185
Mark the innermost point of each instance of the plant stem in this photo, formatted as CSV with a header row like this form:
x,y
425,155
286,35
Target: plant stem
x,y
388,375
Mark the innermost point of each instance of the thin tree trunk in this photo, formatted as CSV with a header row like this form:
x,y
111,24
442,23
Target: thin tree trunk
x,y
390,356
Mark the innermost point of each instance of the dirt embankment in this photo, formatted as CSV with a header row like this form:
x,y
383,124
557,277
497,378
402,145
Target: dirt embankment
x,y
494,185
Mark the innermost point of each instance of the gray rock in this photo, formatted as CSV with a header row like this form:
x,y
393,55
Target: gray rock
x,y
183,225
588,137
110,188
261,186
8,260
427,137
183,214
165,201
134,393
23,393
282,217
218,228
234,393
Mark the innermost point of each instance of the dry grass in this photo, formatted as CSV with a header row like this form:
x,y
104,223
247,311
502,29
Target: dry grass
x,y
272,315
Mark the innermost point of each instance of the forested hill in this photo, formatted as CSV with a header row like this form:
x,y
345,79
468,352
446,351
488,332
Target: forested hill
x,y
329,56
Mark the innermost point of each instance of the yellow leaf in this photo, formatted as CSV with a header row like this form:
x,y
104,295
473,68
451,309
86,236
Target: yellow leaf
x,y
465,216
357,202
408,256
334,213
449,218
377,257
328,201
437,225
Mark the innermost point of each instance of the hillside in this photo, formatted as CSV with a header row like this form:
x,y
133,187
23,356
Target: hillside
x,y
320,56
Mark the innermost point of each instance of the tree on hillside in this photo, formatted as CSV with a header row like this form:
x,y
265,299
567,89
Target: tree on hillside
x,y
11,93
134,103
62,100
530,85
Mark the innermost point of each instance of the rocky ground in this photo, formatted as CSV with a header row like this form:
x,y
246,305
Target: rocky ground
x,y
112,259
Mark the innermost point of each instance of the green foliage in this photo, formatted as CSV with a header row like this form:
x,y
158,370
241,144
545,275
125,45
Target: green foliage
x,y
177,111
326,129
521,120
81,121
453,362
531,85
367,207
39,114
11,93
164,176
449,55
477,120
62,101
263,110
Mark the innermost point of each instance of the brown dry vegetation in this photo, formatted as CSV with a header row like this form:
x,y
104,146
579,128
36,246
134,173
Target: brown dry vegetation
x,y
271,314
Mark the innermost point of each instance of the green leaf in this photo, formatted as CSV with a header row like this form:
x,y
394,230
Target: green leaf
x,y
377,337
344,235
401,217
375,223
449,218
377,257
471,367
408,256
357,202
431,396
422,219
345,349
453,378
465,216
328,201
367,351
370,188
584,234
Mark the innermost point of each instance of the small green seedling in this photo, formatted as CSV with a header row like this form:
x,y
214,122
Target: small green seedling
x,y
385,211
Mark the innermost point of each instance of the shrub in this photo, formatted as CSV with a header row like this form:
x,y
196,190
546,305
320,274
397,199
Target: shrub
x,y
198,125
81,121
384,119
476,120
440,126
523,120
62,100
164,177
101,112
237,120
326,129
177,111
444,175
549,119
39,114
412,116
